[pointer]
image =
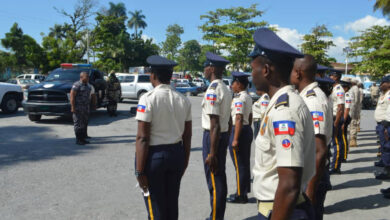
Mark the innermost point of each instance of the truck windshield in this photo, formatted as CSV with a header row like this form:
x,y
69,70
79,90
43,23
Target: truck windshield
x,y
65,75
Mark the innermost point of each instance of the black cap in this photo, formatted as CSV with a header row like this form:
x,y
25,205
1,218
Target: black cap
x,y
335,72
160,62
321,68
240,74
345,83
271,45
385,79
325,80
215,60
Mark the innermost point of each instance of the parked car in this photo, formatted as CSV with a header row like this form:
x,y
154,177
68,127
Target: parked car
x,y
200,83
11,97
188,89
134,85
52,96
228,82
38,77
252,90
182,80
24,83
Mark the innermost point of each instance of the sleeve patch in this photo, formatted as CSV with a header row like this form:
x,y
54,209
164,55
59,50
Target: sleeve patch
x,y
264,103
284,128
211,97
141,108
238,104
317,116
214,85
286,143
340,94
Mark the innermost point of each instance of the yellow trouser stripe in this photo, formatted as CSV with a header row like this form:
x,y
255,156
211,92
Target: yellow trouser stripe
x,y
345,147
214,196
150,208
238,173
337,153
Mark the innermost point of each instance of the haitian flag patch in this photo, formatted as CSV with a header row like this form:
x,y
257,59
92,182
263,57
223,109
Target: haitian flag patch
x,y
284,128
238,104
141,108
348,101
317,124
264,103
339,94
317,116
286,143
211,97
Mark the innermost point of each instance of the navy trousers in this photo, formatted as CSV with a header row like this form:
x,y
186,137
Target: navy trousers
x,y
241,159
338,147
380,130
386,150
322,189
164,169
302,211
345,138
216,182
256,126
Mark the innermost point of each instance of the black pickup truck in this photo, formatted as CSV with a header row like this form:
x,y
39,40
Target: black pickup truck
x,y
52,96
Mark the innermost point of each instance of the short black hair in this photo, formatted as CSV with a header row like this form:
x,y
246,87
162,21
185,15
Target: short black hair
x,y
163,74
283,65
243,80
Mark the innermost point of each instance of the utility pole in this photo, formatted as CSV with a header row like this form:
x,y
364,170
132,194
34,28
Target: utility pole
x,y
346,50
87,45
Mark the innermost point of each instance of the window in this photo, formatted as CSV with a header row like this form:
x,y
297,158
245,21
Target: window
x,y
128,79
143,79
226,82
28,77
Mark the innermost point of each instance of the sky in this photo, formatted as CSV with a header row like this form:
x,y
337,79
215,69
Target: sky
x,y
344,18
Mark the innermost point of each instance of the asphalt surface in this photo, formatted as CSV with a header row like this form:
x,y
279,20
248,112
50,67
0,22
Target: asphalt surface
x,y
44,175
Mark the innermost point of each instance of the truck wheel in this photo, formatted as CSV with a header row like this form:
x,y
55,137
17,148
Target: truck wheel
x,y
141,94
34,117
9,104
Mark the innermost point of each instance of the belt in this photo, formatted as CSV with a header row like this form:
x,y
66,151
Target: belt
x,y
257,119
265,208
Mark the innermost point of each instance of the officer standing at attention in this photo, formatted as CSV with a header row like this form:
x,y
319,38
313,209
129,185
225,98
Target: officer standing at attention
x,y
359,108
374,90
215,122
113,93
258,110
241,136
354,113
380,116
80,103
285,147
163,141
348,111
338,100
303,78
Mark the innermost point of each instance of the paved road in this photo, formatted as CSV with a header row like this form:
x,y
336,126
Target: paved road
x,y
44,175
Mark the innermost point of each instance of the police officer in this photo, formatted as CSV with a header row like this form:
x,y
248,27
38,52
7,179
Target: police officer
x,y
215,122
163,141
374,91
80,105
338,100
354,112
348,111
113,93
359,108
303,78
380,116
241,136
285,148
258,110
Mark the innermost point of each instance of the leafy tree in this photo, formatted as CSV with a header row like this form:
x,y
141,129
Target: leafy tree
x,y
172,43
383,5
373,48
232,30
136,21
116,10
189,56
317,43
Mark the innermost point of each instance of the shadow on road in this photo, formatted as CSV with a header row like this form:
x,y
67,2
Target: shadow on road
x,y
361,203
196,149
367,138
369,169
367,135
17,114
357,183
360,151
366,131
363,159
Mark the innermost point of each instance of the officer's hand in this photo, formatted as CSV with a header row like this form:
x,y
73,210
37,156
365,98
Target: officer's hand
x,y
336,129
235,145
212,162
143,183
343,127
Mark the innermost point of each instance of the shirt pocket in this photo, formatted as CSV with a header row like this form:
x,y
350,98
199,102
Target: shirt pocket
x,y
266,154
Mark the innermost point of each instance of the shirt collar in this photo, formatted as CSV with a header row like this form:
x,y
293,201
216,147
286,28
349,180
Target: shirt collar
x,y
307,88
281,91
163,86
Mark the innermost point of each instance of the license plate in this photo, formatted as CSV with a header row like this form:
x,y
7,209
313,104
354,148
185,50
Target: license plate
x,y
44,108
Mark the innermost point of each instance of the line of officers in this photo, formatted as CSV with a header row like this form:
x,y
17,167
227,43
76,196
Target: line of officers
x,y
297,117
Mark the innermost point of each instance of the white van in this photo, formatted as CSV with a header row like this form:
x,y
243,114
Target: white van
x,y
37,77
134,85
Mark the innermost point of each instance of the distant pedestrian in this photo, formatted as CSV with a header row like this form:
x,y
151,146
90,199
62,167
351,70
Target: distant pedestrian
x,y
113,93
80,99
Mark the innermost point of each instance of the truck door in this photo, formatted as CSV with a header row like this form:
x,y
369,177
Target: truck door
x,y
127,86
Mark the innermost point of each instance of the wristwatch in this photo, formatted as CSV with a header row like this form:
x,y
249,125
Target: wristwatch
x,y
139,173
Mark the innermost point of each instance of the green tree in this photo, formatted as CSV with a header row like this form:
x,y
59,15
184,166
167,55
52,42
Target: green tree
x,y
172,42
373,48
116,10
137,21
189,56
317,43
232,30
383,5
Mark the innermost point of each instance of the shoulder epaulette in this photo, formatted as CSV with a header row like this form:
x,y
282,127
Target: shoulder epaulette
x,y
310,93
266,96
282,100
214,85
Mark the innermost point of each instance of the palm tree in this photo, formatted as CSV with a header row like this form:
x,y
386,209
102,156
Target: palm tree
x,y
137,21
383,5
117,10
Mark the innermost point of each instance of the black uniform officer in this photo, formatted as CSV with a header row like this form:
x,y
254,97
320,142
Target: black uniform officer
x,y
163,142
215,122
241,136
80,104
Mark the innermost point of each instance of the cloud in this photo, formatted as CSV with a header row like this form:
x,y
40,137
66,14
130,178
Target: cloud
x,y
146,37
337,51
291,36
364,23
